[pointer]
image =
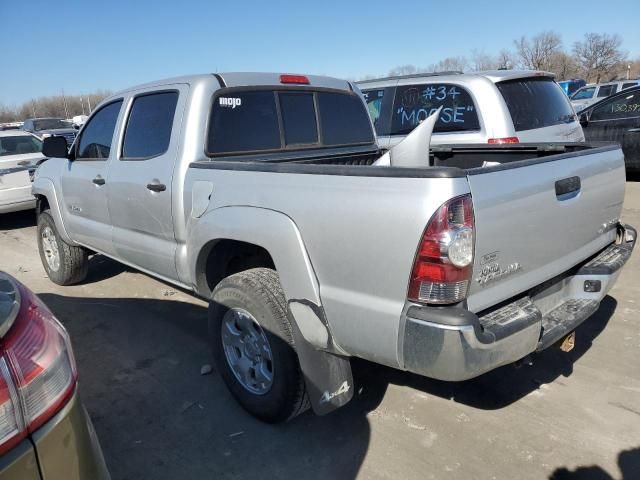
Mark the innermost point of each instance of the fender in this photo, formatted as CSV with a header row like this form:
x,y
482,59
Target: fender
x,y
45,187
327,375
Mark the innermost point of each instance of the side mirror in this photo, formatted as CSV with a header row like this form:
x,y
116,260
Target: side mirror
x,y
55,147
584,119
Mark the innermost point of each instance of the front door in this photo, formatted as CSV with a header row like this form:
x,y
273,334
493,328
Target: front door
x,y
140,182
85,181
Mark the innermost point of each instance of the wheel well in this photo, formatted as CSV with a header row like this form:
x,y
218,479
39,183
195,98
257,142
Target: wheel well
x,y
222,258
42,204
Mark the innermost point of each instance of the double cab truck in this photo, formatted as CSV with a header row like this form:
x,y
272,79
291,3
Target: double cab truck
x,y
262,193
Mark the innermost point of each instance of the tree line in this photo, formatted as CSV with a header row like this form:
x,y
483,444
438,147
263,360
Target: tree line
x,y
598,57
60,106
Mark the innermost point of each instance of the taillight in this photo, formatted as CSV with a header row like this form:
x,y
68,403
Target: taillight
x,y
444,260
12,430
295,79
37,370
500,141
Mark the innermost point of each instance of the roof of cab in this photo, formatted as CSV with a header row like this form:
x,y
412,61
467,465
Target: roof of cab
x,y
243,79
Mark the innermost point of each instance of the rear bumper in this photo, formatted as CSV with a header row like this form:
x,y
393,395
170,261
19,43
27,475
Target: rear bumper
x,y
454,344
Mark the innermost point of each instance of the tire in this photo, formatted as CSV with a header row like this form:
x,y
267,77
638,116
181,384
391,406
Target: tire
x,y
72,265
257,293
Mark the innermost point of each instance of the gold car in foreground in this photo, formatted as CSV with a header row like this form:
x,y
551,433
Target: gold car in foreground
x,y
45,432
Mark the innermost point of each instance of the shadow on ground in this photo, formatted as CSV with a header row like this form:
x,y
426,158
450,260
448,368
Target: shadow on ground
x,y
103,268
633,176
17,220
628,463
157,417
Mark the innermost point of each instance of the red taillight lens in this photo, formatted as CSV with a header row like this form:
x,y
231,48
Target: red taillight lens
x,y
295,79
37,357
500,141
444,260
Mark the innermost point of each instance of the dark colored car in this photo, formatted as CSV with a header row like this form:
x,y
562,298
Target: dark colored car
x,y
616,119
50,127
45,432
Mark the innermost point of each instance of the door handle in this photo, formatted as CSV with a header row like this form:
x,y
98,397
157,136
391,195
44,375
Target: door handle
x,y
634,130
156,187
99,180
24,163
568,188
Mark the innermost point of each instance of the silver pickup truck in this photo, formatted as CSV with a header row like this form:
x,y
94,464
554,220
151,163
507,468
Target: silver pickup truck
x,y
263,194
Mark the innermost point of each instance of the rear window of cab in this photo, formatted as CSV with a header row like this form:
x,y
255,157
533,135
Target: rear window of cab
x,y
254,121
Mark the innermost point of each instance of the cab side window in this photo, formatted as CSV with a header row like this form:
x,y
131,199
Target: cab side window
x,y
584,93
148,130
622,106
97,136
379,103
606,90
374,103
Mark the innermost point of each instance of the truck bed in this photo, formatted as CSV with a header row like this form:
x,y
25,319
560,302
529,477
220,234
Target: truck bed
x,y
463,157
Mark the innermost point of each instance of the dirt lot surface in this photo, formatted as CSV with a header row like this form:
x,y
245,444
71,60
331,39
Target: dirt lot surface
x,y
140,345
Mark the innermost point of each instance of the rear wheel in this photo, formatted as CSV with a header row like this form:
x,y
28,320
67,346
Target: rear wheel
x,y
65,264
253,345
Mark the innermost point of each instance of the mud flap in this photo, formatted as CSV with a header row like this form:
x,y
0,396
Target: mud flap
x,y
328,377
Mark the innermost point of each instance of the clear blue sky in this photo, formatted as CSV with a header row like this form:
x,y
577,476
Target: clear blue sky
x,y
84,45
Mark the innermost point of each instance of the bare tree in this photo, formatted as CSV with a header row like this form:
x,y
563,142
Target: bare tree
x,y
564,66
403,70
55,106
633,69
482,61
450,64
538,53
599,55
506,59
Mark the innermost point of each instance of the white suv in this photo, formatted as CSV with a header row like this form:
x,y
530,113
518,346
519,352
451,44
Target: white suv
x,y
592,93
502,106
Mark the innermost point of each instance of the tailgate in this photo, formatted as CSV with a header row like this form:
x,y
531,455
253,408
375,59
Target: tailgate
x,y
538,218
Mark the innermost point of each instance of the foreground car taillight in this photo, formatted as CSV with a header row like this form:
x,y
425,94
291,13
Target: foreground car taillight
x,y
37,370
444,260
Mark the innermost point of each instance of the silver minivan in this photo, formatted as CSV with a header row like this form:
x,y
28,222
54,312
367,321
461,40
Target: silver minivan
x,y
501,106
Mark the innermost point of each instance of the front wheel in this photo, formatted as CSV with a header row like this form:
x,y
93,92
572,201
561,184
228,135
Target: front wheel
x,y
253,346
65,264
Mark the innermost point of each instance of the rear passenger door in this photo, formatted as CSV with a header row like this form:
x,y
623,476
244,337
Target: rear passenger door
x,y
141,180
